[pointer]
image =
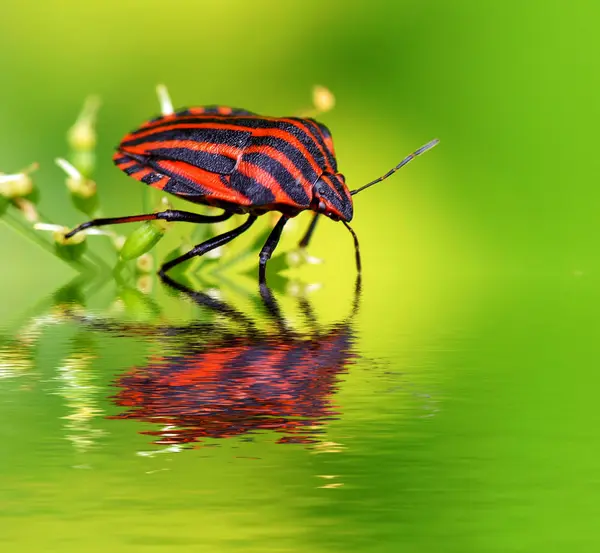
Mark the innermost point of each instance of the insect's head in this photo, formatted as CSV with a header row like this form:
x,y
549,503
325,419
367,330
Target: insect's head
x,y
332,197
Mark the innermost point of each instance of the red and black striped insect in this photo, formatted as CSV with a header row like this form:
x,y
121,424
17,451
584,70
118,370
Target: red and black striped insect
x,y
243,163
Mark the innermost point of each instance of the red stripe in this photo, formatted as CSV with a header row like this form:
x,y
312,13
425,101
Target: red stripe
x,y
211,181
285,161
124,166
232,152
151,124
309,131
204,370
329,143
160,184
139,175
276,133
266,179
329,182
317,131
291,139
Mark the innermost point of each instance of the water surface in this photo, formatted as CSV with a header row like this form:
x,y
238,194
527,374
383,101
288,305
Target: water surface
x,y
458,418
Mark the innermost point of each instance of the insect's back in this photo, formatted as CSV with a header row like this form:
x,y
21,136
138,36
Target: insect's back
x,y
230,157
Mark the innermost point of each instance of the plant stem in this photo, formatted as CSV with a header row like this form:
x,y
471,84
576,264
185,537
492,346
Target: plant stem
x,y
31,235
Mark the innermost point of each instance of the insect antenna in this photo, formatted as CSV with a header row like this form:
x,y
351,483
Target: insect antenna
x,y
416,153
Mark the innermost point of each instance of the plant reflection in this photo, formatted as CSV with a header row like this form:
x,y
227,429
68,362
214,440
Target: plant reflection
x,y
228,377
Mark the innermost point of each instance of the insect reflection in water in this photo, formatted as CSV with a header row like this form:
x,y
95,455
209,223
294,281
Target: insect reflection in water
x,y
218,381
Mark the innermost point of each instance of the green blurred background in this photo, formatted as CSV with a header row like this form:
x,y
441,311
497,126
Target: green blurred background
x,y
491,238
508,87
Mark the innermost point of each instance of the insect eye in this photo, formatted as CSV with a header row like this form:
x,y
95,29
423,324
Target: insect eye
x,y
322,207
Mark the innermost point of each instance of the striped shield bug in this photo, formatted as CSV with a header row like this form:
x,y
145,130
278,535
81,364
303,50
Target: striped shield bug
x,y
243,163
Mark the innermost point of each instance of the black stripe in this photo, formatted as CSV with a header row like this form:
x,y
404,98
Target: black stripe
x,y
291,152
329,182
255,122
302,132
140,158
252,189
214,136
238,366
239,111
316,132
286,181
121,160
338,186
343,204
324,130
327,134
214,110
233,138
133,169
178,184
215,163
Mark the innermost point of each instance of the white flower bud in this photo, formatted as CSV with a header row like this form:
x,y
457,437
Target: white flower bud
x,y
18,184
76,182
82,135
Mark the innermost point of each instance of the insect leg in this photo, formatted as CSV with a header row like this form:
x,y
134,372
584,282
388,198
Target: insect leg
x,y
269,247
168,215
309,232
356,248
210,244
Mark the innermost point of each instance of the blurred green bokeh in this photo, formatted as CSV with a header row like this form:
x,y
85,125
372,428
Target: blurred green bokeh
x,y
508,87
